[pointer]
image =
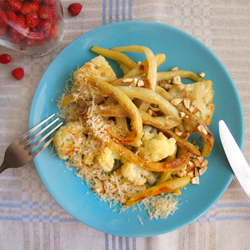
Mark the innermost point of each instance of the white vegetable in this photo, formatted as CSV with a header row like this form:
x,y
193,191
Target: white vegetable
x,y
137,175
156,147
106,159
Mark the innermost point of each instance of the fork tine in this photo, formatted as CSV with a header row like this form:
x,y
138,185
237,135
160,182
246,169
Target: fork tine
x,y
27,141
23,136
43,138
41,148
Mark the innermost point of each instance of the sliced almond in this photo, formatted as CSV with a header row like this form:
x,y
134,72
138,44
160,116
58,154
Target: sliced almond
x,y
181,87
202,74
155,109
127,80
196,172
200,158
204,163
176,80
133,84
186,102
175,68
196,162
176,101
140,83
193,109
182,114
202,170
186,135
191,164
194,102
195,180
152,113
202,129
178,132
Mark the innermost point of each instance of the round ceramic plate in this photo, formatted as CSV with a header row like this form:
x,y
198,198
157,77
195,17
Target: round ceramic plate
x,y
182,50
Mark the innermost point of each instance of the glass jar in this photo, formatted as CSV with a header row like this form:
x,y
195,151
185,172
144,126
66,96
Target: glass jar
x,y
33,27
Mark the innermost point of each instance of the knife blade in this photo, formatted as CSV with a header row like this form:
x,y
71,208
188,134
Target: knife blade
x,y
235,157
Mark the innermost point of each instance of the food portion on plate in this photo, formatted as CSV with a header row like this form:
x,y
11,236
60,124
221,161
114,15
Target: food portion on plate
x,y
134,139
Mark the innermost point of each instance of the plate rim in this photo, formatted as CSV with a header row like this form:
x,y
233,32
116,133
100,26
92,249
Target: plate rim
x,y
144,23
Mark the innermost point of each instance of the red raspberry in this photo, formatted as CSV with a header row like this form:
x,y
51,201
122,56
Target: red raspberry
x,y
5,5
44,12
53,31
5,58
36,35
34,38
29,7
47,25
40,25
12,17
16,6
54,11
74,9
3,16
1,4
49,2
18,73
32,20
21,26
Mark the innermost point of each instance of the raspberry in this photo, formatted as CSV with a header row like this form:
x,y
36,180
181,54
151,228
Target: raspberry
x,y
34,38
16,6
53,31
18,73
32,20
54,11
5,58
29,7
74,9
3,16
21,26
36,35
47,25
44,12
12,17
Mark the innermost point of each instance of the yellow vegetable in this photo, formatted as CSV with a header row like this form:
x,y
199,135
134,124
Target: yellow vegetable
x,y
165,187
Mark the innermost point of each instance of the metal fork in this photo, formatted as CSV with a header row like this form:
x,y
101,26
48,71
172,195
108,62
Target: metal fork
x,y
22,150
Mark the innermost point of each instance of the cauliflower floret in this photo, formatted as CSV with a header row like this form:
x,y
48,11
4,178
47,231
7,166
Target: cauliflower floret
x,y
106,159
156,147
98,67
67,139
137,175
202,93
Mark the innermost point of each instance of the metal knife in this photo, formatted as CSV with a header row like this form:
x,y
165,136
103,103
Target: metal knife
x,y
235,157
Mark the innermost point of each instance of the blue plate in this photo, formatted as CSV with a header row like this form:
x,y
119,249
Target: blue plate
x,y
182,50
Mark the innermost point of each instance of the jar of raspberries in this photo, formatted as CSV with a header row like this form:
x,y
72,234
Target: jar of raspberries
x,y
33,27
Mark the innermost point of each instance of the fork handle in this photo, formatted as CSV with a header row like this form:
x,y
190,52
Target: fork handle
x,y
3,167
